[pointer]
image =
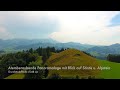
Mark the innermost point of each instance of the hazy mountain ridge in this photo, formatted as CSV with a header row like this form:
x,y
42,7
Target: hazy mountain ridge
x,y
103,51
56,45
13,43
97,51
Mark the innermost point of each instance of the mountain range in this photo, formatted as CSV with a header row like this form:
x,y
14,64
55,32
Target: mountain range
x,y
12,43
19,44
100,52
56,45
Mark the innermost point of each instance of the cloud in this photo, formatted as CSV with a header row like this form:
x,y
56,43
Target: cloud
x,y
4,34
28,24
87,27
92,27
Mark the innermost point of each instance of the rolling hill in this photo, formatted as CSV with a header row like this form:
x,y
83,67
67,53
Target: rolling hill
x,y
73,57
56,45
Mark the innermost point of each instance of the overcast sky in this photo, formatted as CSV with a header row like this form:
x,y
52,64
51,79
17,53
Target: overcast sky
x,y
89,27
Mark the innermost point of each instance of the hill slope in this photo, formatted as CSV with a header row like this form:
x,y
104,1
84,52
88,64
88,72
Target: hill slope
x,y
113,73
72,57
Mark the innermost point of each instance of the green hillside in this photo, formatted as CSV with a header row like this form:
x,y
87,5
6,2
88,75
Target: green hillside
x,y
113,73
72,57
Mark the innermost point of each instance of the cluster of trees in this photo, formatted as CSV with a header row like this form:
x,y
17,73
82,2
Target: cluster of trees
x,y
88,54
46,52
1,51
55,76
15,59
26,58
40,73
113,58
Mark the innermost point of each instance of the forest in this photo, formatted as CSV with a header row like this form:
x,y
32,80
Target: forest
x,y
27,58
113,58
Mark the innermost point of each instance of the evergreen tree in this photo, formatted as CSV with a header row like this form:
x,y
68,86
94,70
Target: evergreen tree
x,y
48,52
62,49
31,50
39,51
46,72
113,58
38,75
44,55
55,76
53,49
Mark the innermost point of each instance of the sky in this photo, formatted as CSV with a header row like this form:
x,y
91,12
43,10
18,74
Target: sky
x,y
86,27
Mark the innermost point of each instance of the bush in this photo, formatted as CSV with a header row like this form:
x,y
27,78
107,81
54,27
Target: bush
x,y
39,75
77,77
55,76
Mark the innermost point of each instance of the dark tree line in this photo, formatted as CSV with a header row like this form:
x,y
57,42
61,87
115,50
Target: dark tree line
x,y
88,54
46,52
25,58
1,51
15,59
113,58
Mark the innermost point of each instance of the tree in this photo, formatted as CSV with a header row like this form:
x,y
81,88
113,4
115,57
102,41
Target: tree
x,y
21,63
31,50
44,55
39,51
53,49
3,71
113,58
23,51
62,49
46,72
77,77
108,57
48,52
10,60
55,76
88,54
38,75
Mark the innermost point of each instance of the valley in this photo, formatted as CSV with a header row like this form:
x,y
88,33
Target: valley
x,y
70,55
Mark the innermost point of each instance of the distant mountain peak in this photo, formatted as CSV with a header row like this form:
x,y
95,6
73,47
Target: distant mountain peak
x,y
1,40
73,43
116,44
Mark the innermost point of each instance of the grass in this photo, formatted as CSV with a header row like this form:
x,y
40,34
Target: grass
x,y
38,61
113,73
94,53
73,57
10,50
16,76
